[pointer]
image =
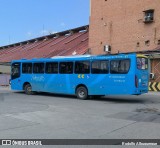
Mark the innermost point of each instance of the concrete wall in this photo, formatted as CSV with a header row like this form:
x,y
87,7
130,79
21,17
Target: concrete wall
x,y
5,69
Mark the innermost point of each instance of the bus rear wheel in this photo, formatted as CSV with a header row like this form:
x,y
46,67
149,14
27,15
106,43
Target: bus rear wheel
x,y
28,89
82,93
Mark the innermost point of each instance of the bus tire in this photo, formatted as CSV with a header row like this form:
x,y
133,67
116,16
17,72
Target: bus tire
x,y
28,89
82,93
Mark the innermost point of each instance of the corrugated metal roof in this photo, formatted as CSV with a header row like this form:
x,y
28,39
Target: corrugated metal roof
x,y
65,43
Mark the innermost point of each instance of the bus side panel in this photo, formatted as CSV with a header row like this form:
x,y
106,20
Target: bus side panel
x,y
59,83
37,82
26,78
16,84
98,84
122,84
51,83
68,83
64,82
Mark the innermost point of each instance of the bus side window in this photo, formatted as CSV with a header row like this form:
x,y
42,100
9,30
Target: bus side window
x,y
82,67
95,67
38,68
66,67
124,66
120,66
52,67
114,66
100,67
27,68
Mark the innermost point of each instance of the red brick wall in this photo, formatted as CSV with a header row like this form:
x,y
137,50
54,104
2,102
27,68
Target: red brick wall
x,y
155,68
119,23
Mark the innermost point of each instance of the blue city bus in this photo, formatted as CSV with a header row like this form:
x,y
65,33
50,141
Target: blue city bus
x,y
83,76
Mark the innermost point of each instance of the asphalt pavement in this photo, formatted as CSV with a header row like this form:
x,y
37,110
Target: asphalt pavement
x,y
52,116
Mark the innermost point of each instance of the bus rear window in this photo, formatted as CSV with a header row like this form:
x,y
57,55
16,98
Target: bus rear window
x,y
142,63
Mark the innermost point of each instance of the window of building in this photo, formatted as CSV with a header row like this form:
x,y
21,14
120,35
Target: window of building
x,y
148,16
66,68
147,43
100,67
82,67
38,68
120,66
27,68
52,67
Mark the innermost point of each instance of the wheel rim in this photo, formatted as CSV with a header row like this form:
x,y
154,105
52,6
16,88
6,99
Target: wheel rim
x,y
81,94
29,89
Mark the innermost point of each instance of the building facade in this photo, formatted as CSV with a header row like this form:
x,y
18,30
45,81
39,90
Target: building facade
x,y
125,25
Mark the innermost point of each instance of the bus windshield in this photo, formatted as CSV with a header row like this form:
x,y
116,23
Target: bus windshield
x,y
15,70
142,63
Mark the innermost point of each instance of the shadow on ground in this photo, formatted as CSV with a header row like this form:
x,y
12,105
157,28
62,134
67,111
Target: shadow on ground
x,y
114,99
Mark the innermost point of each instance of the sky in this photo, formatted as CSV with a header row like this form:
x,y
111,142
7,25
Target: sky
x,y
22,20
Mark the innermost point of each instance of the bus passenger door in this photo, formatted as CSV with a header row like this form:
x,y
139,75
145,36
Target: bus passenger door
x,y
16,83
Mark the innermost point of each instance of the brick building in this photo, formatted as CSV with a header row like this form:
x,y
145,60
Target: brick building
x,y
126,26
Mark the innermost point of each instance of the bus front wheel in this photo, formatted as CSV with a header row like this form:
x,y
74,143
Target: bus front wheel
x,y
82,93
28,89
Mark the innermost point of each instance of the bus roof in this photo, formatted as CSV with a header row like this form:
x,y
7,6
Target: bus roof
x,y
77,57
